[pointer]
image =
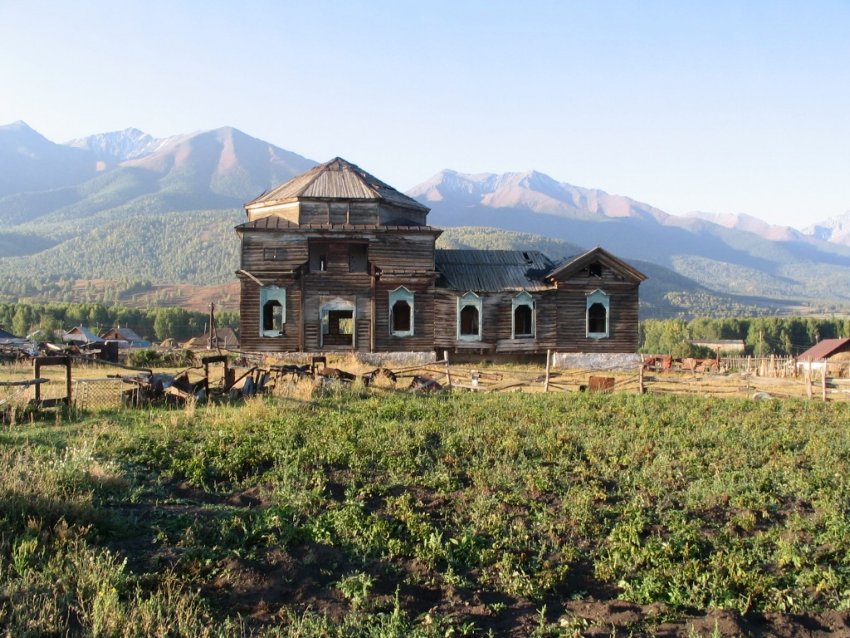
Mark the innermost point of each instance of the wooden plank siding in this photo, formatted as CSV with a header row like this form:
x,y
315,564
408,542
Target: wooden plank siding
x,y
403,251
573,287
290,251
396,215
323,287
249,313
496,323
571,305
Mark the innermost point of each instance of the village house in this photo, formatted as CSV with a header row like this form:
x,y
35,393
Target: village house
x,y
336,260
80,335
224,338
125,337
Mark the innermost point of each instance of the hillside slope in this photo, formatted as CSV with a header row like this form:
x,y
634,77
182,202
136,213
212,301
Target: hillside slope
x,y
740,258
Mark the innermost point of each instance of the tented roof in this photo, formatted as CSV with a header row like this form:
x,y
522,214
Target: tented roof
x,y
336,179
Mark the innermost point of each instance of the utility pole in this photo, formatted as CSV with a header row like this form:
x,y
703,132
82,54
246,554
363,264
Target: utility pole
x,y
213,337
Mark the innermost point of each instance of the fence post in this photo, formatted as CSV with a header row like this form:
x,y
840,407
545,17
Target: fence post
x,y
823,380
640,378
548,365
809,379
448,370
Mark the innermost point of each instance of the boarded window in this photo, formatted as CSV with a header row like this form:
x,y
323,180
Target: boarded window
x,y
401,312
357,258
469,317
595,269
272,311
274,254
523,316
598,308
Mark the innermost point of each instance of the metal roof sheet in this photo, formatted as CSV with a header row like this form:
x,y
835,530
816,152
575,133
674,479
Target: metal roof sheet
x,y
337,179
824,349
492,270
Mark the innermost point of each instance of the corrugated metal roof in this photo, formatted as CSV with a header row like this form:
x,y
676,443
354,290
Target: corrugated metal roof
x,y
824,349
337,179
492,270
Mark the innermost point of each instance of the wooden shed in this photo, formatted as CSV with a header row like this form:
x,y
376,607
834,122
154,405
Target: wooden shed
x,y
337,260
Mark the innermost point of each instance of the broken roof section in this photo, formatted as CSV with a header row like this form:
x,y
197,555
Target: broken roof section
x,y
336,179
492,270
825,349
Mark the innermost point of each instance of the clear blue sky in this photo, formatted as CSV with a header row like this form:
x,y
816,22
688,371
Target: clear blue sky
x,y
715,106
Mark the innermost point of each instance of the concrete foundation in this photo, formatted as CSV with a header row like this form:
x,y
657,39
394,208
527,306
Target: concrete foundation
x,y
592,361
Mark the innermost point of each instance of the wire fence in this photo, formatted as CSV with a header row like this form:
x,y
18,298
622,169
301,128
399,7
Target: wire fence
x,y
92,394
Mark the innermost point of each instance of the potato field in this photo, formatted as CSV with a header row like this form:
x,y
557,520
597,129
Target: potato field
x,y
361,512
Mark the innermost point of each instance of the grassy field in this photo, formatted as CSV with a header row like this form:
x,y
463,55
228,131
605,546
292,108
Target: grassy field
x,y
366,513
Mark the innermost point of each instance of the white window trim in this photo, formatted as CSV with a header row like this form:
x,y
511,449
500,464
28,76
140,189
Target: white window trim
x,y
523,299
600,297
470,299
272,293
401,294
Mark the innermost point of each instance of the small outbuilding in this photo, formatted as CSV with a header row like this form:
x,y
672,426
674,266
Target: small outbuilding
x,y
826,352
126,338
80,335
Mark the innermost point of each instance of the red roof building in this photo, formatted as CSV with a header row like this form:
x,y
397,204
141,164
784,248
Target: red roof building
x,y
825,349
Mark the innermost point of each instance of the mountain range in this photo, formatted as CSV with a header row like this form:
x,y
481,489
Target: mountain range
x,y
127,206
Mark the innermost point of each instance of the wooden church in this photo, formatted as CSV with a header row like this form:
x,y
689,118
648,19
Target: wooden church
x,y
337,260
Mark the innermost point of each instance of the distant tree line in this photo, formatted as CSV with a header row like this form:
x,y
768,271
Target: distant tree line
x,y
763,336
154,324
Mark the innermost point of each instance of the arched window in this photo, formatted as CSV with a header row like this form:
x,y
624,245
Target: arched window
x,y
469,317
272,311
401,312
598,308
522,323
